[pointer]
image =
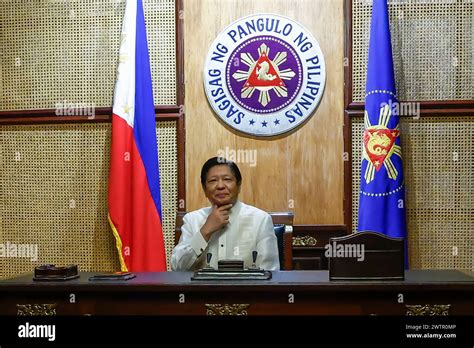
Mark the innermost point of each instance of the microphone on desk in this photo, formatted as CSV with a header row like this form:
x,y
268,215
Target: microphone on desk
x,y
208,260
254,259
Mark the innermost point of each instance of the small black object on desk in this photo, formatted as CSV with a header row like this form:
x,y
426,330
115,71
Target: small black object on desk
x,y
113,276
230,265
51,272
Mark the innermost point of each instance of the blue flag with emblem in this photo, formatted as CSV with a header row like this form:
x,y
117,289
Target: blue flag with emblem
x,y
382,191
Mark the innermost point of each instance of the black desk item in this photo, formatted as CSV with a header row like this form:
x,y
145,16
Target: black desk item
x,y
54,273
113,276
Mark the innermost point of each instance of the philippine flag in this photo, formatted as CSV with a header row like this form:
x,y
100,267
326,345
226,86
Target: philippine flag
x,y
134,182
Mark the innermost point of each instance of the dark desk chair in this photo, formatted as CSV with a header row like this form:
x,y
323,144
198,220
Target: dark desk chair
x,y
283,226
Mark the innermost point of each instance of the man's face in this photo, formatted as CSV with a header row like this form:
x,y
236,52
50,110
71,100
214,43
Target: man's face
x,y
221,186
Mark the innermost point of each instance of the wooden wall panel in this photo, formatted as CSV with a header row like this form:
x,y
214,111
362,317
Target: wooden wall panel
x,y
301,172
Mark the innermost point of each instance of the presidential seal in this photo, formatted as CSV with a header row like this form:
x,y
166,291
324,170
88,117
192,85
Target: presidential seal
x,y
264,75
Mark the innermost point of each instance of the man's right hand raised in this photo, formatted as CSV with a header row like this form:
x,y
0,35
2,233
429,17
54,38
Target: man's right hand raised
x,y
218,218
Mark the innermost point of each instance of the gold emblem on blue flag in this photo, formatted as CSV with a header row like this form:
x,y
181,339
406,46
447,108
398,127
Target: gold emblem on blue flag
x,y
379,145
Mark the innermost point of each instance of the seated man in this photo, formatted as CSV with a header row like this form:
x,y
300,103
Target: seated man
x,y
229,229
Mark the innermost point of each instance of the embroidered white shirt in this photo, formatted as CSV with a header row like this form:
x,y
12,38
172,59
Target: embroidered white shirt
x,y
249,229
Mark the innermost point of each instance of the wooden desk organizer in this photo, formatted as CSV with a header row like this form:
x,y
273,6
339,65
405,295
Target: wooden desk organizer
x,y
383,257
54,273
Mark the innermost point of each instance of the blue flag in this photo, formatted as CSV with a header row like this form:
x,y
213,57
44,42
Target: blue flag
x,y
382,191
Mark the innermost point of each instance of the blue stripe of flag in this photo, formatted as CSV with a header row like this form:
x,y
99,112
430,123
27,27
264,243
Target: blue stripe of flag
x,y
144,124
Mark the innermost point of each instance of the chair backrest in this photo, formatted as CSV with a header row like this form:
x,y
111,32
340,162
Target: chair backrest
x,y
280,232
366,255
283,227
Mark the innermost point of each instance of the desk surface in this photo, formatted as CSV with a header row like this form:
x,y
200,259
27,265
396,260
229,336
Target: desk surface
x,y
166,281
429,292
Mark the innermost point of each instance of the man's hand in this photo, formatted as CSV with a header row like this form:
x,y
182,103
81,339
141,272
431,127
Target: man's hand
x,y
218,218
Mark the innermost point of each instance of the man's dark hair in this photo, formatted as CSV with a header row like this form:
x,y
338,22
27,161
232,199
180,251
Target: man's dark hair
x,y
219,161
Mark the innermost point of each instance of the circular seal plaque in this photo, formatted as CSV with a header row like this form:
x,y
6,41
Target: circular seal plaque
x,y
264,75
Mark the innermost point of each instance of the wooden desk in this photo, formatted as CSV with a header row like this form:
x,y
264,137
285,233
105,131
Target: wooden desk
x,y
287,293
